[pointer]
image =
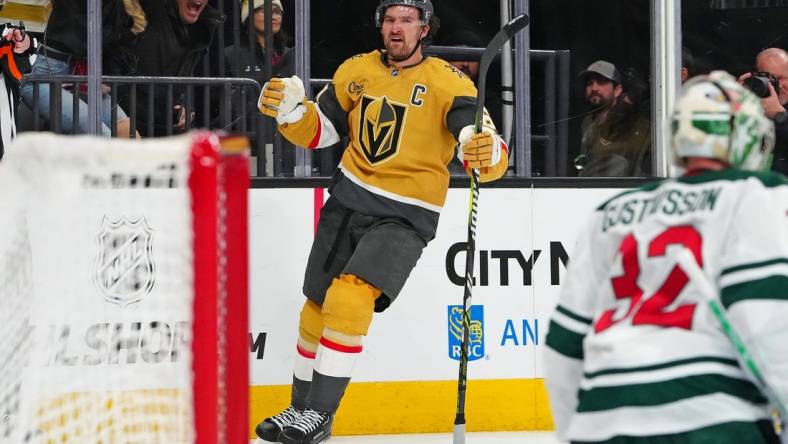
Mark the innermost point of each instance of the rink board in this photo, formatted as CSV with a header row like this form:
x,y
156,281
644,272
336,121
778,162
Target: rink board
x,y
406,378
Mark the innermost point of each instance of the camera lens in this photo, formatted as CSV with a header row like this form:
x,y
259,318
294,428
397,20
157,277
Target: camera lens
x,y
759,85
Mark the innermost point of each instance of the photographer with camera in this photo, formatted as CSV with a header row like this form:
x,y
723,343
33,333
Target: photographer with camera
x,y
770,83
15,50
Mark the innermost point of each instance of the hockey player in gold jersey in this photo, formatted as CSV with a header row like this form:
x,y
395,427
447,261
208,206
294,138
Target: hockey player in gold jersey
x,y
405,115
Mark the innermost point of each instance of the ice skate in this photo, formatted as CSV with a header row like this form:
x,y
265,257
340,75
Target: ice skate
x,y
312,427
270,428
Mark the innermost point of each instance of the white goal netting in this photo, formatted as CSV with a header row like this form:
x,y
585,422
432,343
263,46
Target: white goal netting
x,y
96,289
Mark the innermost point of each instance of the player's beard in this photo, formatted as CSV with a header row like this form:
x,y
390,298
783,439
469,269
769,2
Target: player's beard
x,y
401,52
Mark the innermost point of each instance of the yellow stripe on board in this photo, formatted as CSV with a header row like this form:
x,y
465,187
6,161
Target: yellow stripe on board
x,y
422,406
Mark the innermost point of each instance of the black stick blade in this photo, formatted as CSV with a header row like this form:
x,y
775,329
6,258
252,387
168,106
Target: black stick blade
x,y
502,36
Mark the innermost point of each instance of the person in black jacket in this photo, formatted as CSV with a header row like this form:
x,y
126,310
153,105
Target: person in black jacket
x,y
243,61
63,51
15,50
176,38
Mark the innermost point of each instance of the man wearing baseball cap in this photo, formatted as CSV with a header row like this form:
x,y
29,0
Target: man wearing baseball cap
x,y
615,138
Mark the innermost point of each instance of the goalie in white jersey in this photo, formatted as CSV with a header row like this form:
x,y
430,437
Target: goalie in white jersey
x,y
634,352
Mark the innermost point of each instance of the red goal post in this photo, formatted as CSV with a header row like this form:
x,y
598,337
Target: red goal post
x,y
123,289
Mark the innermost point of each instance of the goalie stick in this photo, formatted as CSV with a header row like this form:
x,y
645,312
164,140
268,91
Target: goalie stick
x,y
689,265
508,30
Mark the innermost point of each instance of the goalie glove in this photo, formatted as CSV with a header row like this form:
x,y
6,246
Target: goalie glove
x,y
283,99
479,150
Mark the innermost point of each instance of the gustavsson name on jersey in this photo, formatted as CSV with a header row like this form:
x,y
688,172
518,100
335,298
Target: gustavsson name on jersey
x,y
667,202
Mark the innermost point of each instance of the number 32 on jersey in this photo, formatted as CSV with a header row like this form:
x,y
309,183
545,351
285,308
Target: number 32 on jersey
x,y
653,309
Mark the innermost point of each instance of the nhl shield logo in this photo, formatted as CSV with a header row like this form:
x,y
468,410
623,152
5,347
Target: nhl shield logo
x,y
124,271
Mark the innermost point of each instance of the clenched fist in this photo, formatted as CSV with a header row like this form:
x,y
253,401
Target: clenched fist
x,y
481,150
281,98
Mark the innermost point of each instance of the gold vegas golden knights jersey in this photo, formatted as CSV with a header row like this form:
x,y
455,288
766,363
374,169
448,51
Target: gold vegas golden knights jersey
x,y
403,125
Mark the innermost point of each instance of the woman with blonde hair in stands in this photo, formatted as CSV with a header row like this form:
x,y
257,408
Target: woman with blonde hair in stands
x,y
63,51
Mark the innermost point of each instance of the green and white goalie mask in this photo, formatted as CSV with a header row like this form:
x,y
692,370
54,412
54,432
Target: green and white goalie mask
x,y
717,118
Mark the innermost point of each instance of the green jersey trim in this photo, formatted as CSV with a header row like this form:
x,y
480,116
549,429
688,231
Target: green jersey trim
x,y
573,315
662,365
750,266
770,288
565,341
666,392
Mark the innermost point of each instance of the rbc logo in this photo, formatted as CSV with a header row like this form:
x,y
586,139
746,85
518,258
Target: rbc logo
x,y
476,332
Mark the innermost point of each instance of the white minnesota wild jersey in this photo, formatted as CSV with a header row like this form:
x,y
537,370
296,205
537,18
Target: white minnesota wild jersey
x,y
634,353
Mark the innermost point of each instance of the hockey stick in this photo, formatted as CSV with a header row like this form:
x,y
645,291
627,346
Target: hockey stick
x,y
688,264
508,30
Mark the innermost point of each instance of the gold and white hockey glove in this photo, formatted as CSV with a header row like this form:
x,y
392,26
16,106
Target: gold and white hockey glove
x,y
283,99
479,150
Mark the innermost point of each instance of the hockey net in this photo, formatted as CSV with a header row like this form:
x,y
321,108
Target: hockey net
x,y
123,290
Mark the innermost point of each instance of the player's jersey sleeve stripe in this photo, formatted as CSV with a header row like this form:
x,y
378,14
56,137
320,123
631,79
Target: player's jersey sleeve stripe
x,y
769,288
314,130
741,267
565,341
563,310
665,392
332,110
318,133
662,365
460,114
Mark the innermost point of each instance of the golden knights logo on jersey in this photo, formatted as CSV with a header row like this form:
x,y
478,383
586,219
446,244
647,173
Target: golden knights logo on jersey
x,y
380,128
124,270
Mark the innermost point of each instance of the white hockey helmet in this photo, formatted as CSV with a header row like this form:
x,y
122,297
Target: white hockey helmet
x,y
717,118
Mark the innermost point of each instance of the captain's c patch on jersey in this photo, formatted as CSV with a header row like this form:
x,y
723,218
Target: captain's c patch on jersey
x,y
380,128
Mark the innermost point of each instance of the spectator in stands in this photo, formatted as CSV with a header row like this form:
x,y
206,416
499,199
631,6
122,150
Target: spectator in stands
x,y
466,38
775,62
616,138
243,61
63,51
176,38
687,64
15,50
469,39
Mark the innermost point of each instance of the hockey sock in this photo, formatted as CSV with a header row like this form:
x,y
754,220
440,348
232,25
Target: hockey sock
x,y
336,357
309,330
347,314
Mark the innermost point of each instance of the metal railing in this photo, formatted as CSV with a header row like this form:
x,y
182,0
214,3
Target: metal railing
x,y
217,109
227,104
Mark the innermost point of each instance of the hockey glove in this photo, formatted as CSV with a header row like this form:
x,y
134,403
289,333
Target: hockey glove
x,y
283,99
480,150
